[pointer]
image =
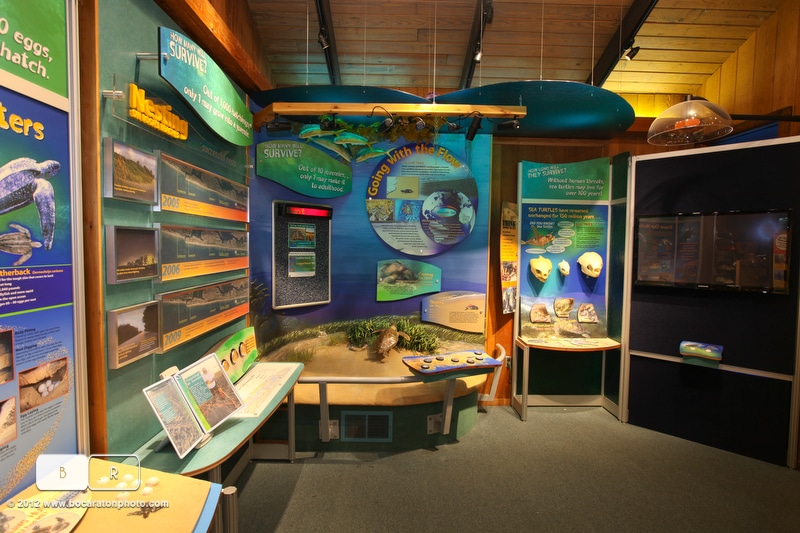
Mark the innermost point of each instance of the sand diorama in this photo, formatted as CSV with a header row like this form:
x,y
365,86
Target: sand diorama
x,y
372,347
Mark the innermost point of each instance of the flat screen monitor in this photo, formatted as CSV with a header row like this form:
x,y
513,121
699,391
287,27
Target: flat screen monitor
x,y
734,250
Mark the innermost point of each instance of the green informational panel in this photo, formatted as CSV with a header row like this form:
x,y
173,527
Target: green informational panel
x,y
303,168
205,87
33,40
583,180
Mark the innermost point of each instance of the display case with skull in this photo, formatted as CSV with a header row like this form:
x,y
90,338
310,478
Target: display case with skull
x,y
541,267
591,264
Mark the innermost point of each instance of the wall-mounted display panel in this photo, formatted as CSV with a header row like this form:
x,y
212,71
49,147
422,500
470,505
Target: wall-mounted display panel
x,y
188,251
191,190
129,173
133,333
131,254
189,313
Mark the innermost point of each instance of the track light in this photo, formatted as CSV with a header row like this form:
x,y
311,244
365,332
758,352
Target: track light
x,y
322,39
277,125
509,125
631,53
474,126
387,123
420,124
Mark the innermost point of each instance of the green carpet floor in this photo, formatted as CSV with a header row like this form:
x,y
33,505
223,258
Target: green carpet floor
x,y
565,469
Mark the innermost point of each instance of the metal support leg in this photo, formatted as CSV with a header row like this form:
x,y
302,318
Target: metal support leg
x,y
447,413
230,510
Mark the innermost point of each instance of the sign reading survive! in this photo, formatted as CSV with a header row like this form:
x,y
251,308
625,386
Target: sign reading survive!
x,y
205,87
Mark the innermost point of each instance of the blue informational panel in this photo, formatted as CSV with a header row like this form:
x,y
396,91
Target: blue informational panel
x,y
564,230
416,201
42,367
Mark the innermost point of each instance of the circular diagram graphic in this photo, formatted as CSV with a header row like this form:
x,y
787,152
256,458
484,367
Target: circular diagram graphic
x,y
447,217
422,200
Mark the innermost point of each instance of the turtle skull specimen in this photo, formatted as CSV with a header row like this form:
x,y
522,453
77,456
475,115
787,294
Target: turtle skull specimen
x,y
541,267
591,264
563,267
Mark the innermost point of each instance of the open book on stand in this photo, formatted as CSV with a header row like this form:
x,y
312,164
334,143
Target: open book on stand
x,y
191,402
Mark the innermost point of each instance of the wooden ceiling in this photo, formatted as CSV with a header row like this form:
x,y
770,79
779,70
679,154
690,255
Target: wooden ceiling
x,y
428,46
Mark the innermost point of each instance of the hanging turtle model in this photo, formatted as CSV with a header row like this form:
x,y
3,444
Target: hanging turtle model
x,y
23,181
388,339
18,243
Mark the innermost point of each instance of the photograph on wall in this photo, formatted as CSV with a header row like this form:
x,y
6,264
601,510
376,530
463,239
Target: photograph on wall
x,y
8,420
129,173
509,255
132,333
190,190
6,356
399,279
302,264
186,252
131,254
186,314
43,384
302,235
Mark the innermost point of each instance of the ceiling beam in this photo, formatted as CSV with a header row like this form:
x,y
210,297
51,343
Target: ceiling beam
x,y
207,28
484,13
327,41
624,36
300,109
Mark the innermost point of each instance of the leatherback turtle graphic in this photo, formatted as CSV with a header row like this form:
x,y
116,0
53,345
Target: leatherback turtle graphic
x,y
23,181
18,243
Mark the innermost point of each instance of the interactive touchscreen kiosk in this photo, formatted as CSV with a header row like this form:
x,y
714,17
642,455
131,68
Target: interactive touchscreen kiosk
x,y
301,254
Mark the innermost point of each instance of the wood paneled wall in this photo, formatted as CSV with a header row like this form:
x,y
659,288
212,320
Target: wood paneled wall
x,y
762,76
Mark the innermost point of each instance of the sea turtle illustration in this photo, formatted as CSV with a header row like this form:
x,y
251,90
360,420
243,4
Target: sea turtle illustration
x,y
23,181
394,271
388,339
19,243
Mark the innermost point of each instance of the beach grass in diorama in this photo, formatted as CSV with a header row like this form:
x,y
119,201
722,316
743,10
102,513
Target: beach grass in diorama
x,y
423,338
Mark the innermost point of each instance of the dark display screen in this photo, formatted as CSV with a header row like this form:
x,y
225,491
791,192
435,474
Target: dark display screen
x,y
736,250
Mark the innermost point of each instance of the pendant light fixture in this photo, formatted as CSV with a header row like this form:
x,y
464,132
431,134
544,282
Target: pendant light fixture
x,y
692,121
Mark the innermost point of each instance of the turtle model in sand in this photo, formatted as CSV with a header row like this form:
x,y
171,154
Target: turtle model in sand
x,y
18,243
388,339
23,181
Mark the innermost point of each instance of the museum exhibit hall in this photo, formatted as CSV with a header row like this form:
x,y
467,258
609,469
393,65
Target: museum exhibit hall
x,y
432,265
